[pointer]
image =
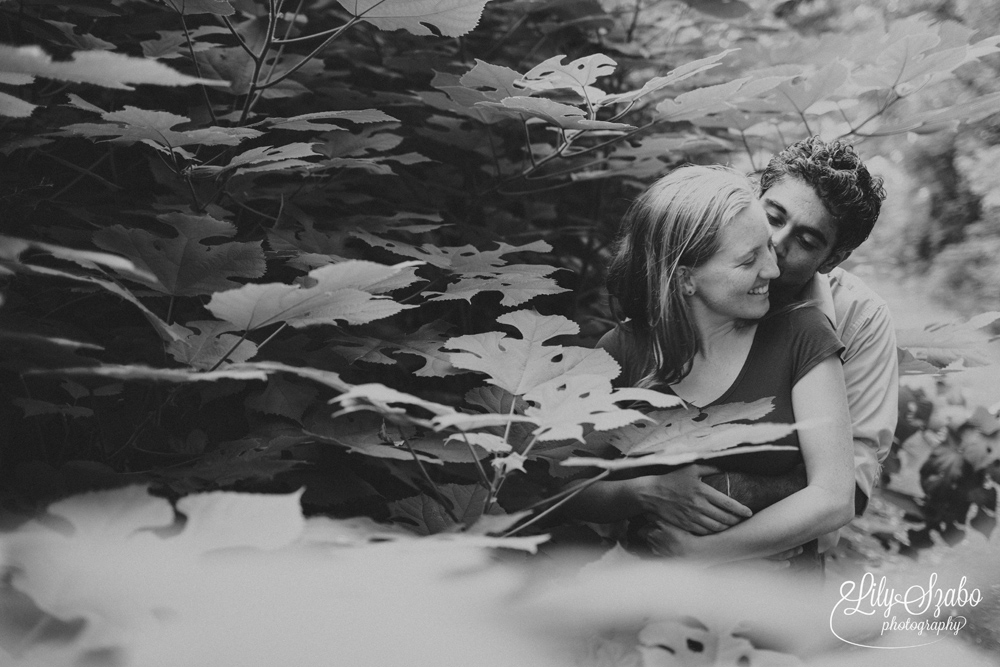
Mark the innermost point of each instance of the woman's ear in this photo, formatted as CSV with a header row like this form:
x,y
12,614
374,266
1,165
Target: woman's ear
x,y
685,279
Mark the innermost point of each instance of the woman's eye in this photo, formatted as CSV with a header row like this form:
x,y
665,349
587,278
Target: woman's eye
x,y
773,221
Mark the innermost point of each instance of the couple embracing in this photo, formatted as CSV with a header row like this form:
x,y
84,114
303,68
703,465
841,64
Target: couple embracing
x,y
730,293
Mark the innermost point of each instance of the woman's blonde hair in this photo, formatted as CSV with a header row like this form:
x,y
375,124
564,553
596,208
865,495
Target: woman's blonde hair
x,y
675,223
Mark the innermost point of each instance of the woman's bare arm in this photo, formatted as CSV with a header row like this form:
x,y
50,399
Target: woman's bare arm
x,y
827,503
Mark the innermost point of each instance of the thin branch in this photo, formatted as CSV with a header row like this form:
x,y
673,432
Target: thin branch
x,y
315,52
239,37
197,69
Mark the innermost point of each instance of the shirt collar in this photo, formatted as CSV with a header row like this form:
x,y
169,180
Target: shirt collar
x,y
818,291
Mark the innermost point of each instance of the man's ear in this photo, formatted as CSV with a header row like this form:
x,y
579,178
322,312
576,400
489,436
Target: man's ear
x,y
833,261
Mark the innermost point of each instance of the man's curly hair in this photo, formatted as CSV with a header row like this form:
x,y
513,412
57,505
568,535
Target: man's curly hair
x,y
841,181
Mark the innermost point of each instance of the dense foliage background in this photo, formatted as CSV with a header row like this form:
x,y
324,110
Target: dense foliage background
x,y
356,248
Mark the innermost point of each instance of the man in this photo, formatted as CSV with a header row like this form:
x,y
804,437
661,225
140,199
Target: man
x,y
822,203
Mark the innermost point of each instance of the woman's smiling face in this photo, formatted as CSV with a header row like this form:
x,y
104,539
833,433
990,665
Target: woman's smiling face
x,y
733,283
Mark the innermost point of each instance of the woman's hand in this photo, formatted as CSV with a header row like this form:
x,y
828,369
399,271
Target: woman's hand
x,y
682,500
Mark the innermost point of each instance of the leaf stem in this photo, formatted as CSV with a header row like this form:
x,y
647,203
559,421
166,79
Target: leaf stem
x,y
231,350
569,495
427,478
479,465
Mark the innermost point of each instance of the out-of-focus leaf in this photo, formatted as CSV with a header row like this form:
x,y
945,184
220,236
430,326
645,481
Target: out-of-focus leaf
x,y
700,102
561,115
947,118
11,248
348,291
33,408
811,87
15,107
101,68
945,344
452,18
204,349
676,75
723,9
185,265
140,372
520,365
154,129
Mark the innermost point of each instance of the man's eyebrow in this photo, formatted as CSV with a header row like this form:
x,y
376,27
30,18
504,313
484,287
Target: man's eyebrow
x,y
775,205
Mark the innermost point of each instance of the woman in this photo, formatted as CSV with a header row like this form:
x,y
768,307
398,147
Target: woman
x,y
690,281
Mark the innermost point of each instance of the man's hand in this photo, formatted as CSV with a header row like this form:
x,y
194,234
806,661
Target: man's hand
x,y
681,499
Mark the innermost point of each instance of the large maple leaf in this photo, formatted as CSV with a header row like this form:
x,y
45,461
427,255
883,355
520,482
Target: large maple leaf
x,y
521,364
680,436
349,292
214,340
562,407
185,265
154,128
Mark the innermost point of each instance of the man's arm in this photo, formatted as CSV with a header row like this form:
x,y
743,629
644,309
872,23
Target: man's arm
x,y
871,373
758,491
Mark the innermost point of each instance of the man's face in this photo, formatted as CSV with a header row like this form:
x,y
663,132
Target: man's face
x,y
804,234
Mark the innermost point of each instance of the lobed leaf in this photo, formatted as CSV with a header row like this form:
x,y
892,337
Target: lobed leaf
x,y
577,76
345,292
561,407
131,125
520,365
204,349
184,265
561,115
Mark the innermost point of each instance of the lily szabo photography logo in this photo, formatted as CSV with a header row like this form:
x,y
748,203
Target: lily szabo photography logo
x,y
916,616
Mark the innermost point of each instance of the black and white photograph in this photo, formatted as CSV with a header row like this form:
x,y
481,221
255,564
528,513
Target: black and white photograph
x,y
499,333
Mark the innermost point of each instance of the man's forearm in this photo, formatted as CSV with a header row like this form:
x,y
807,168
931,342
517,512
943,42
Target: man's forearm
x,y
758,491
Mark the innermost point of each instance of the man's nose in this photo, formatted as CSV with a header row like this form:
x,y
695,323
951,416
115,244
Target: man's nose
x,y
780,237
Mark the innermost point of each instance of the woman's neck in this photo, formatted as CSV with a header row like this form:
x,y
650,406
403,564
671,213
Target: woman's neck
x,y
718,333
